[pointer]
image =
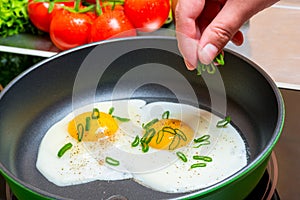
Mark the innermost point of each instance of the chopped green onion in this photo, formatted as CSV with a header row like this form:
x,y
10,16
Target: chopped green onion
x,y
160,136
204,158
181,156
121,119
148,135
153,121
80,130
63,150
169,129
166,115
87,123
211,68
112,161
111,110
175,142
202,138
181,134
222,123
219,59
198,165
203,143
96,113
145,147
136,141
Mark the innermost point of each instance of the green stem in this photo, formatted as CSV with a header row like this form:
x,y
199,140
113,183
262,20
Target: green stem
x,y
77,4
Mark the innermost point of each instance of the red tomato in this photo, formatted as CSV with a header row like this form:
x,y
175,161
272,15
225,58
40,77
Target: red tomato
x,y
68,29
148,15
111,24
39,15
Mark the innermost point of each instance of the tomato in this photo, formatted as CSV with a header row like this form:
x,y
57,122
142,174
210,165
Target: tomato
x,y
69,29
111,24
147,15
39,15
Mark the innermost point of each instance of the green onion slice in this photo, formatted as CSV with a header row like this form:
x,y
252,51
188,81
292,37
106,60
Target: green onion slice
x,y
112,161
87,123
148,135
145,147
165,115
202,138
181,156
175,142
219,59
111,110
203,144
95,113
80,130
198,165
63,150
149,124
223,123
136,141
121,119
204,158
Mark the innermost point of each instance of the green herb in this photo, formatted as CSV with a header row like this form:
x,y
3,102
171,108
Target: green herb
x,y
181,156
203,144
145,147
150,123
198,165
223,123
112,161
121,119
180,133
160,136
204,158
80,130
201,141
211,68
63,150
136,141
148,135
202,138
87,123
219,59
95,113
166,115
14,18
111,110
175,142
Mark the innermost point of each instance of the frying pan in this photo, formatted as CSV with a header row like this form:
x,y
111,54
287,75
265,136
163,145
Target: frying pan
x,y
48,91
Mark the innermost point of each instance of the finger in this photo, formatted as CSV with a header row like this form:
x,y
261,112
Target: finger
x,y
238,38
188,32
224,27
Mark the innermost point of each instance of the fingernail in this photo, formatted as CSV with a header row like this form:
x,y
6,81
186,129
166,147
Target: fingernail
x,y
207,53
189,66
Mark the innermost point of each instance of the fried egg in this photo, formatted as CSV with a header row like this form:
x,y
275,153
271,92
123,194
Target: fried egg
x,y
80,164
168,147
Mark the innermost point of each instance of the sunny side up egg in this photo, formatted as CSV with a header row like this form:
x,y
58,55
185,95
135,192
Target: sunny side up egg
x,y
169,147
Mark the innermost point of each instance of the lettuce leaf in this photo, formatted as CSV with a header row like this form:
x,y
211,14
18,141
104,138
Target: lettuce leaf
x,y
14,18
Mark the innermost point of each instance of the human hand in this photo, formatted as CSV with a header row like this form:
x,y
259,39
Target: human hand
x,y
204,27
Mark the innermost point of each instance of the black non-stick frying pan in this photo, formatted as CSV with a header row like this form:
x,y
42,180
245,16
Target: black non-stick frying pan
x,y
48,91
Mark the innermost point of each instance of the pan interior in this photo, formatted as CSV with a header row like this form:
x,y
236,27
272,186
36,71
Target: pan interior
x,y
45,94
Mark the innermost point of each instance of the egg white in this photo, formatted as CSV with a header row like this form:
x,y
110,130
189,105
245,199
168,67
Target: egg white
x,y
160,170
80,164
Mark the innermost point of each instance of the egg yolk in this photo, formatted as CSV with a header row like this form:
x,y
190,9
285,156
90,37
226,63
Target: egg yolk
x,y
169,134
93,129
